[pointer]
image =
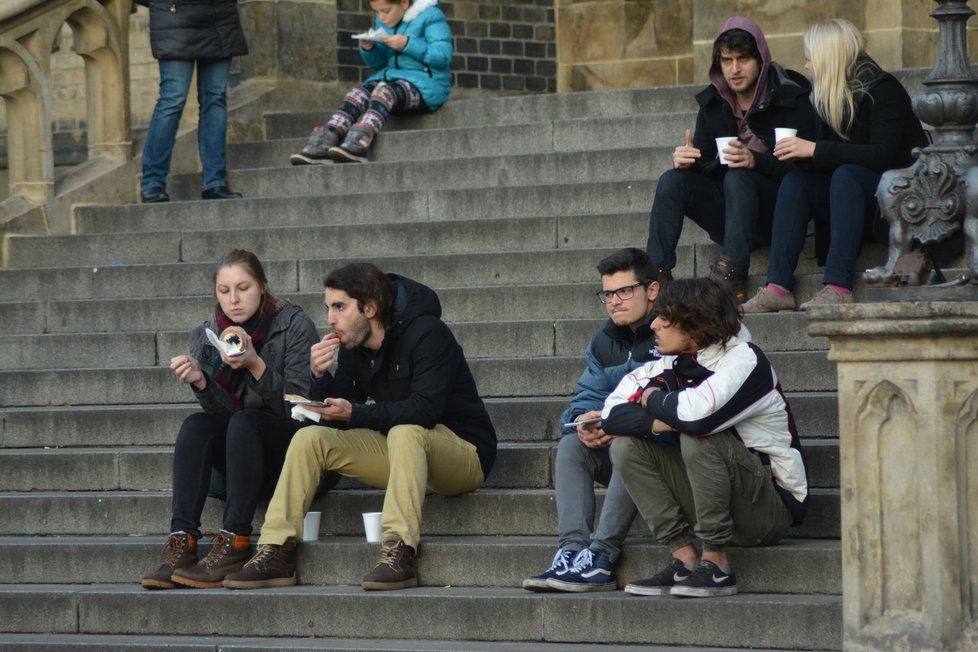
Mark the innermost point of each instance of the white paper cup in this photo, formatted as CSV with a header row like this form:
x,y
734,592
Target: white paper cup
x,y
784,132
371,526
310,526
721,143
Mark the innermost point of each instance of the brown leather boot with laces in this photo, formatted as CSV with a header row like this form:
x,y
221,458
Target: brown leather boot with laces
x,y
228,554
179,552
724,272
395,570
272,565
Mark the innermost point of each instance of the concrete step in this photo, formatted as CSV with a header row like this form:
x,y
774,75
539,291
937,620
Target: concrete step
x,y
486,512
755,620
515,419
129,642
524,465
430,143
202,244
624,196
798,371
794,566
510,111
486,339
271,175
129,468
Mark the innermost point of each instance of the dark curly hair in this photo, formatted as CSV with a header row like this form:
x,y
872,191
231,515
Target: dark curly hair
x,y
365,283
704,309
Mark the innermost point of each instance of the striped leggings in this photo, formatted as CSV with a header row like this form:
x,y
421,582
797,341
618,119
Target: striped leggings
x,y
367,107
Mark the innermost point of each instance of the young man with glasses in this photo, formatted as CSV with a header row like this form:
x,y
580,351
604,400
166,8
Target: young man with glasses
x,y
748,97
585,558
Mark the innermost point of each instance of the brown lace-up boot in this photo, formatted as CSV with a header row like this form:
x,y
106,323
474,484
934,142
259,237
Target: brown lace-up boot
x,y
228,554
272,565
723,272
395,570
179,552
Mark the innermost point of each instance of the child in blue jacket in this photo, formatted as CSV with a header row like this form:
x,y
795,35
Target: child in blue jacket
x,y
411,54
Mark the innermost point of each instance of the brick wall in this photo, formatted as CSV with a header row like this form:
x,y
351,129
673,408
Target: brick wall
x,y
507,45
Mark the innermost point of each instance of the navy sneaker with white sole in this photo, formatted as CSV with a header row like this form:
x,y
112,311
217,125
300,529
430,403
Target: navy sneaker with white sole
x,y
592,571
558,568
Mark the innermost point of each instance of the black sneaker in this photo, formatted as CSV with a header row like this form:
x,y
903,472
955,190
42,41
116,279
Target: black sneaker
x,y
662,582
316,151
354,147
706,581
558,567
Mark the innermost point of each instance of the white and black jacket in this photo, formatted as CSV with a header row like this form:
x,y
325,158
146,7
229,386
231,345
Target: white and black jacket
x,y
720,388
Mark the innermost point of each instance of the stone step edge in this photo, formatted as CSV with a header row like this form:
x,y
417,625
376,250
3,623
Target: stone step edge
x,y
204,643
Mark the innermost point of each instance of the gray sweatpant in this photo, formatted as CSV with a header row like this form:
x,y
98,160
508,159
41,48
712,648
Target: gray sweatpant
x,y
577,469
712,485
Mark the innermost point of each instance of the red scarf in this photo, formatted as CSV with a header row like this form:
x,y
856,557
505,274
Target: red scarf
x,y
232,380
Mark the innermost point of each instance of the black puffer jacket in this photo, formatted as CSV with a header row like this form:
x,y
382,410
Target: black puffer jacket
x,y
419,376
188,30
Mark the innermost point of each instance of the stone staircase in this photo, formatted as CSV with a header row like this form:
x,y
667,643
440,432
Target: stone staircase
x,y
504,206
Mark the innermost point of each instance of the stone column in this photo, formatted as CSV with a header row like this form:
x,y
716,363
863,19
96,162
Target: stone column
x,y
908,439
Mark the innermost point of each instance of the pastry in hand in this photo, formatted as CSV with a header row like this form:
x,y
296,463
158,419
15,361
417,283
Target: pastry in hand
x,y
234,338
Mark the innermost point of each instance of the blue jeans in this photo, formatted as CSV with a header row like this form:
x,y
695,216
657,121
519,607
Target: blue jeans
x,y
212,83
845,199
735,210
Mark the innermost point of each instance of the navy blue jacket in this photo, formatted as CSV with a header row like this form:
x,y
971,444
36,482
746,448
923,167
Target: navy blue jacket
x,y
188,30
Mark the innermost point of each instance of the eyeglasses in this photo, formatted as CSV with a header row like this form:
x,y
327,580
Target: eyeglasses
x,y
625,293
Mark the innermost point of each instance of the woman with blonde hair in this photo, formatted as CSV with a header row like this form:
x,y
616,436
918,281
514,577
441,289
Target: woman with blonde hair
x,y
865,126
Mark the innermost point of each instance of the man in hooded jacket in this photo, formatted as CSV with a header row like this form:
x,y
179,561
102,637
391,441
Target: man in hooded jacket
x,y
426,428
748,97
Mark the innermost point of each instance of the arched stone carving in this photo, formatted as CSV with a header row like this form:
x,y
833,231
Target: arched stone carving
x,y
100,30
887,461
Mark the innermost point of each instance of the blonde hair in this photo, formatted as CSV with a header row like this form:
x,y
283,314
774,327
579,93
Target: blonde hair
x,y
833,46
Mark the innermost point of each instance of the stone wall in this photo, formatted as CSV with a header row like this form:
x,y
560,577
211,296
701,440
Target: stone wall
x,y
506,45
513,46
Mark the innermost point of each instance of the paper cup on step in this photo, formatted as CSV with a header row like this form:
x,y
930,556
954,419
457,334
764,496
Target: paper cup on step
x,y
721,144
371,526
784,132
310,526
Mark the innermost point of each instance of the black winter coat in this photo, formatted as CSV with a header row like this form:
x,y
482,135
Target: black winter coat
x,y
188,30
787,105
419,376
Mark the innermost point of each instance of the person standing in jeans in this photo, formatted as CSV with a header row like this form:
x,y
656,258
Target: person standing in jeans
x,y
189,35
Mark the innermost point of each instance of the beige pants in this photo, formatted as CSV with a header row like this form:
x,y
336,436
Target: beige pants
x,y
409,461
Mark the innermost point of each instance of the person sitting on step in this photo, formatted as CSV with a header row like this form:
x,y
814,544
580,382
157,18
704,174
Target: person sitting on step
x,y
737,475
748,97
410,47
244,431
585,558
865,126
425,429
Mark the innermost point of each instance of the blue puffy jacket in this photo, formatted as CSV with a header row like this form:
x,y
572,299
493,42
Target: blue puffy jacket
x,y
426,59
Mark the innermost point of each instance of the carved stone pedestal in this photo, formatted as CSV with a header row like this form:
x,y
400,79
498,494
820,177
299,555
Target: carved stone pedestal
x,y
908,438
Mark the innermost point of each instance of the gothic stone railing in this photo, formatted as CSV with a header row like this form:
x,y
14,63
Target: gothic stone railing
x,y
29,30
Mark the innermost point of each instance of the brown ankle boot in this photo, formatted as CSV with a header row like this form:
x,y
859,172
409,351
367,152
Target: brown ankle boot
x,y
179,552
272,565
395,570
228,554
724,272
